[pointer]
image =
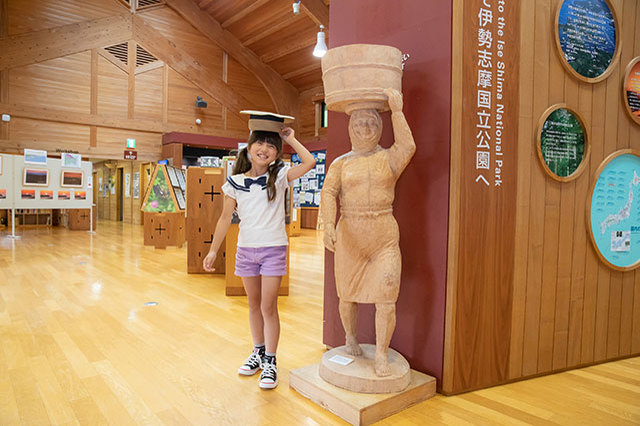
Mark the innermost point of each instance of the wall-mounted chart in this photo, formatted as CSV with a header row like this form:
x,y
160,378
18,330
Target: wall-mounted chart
x,y
587,38
562,143
631,89
613,210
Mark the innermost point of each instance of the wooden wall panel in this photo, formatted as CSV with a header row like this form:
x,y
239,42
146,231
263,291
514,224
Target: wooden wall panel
x,y
248,86
62,84
569,309
148,95
112,143
185,37
182,110
112,89
306,120
27,16
48,135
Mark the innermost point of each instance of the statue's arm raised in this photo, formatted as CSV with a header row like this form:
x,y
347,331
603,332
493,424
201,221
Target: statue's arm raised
x,y
329,207
404,147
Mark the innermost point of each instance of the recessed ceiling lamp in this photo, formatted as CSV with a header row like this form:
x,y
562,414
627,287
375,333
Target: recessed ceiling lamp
x,y
321,46
296,7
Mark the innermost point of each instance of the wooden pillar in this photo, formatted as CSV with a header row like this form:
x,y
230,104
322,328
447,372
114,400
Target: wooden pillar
x,y
4,74
93,130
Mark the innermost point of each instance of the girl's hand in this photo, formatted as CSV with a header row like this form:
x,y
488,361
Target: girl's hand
x,y
287,134
207,262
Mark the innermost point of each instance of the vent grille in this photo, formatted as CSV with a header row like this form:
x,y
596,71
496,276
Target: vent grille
x,y
147,3
120,51
143,57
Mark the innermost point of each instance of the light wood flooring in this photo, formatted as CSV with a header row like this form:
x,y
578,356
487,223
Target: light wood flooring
x,y
78,345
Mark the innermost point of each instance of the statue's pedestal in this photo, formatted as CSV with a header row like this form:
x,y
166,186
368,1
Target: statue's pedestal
x,y
360,408
359,375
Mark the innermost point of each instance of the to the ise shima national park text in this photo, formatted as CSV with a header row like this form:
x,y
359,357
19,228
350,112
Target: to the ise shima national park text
x,y
490,109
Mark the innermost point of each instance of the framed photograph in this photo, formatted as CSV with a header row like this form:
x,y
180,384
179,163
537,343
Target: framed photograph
x,y
181,179
72,161
28,194
79,195
35,177
3,194
64,195
35,156
72,178
180,198
173,177
46,194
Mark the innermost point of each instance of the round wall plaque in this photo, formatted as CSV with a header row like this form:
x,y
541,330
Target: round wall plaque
x,y
587,38
613,210
631,89
562,143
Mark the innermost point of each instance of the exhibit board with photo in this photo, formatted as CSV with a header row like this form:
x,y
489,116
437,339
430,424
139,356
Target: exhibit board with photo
x,y
307,189
167,190
46,184
7,190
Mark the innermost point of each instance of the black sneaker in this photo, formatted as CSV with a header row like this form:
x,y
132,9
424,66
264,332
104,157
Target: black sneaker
x,y
251,365
269,375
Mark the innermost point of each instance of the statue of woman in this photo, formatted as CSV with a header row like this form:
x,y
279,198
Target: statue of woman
x,y
366,238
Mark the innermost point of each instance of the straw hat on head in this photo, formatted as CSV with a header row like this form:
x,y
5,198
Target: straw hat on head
x,y
267,121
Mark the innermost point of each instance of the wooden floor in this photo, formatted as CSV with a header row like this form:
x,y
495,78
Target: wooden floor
x,y
78,345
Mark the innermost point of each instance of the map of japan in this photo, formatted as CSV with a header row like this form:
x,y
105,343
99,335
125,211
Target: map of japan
x,y
615,211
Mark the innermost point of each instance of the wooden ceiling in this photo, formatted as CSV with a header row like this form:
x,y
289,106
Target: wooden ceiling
x,y
280,39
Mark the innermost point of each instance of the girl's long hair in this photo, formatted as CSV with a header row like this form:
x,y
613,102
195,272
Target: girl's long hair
x,y
243,164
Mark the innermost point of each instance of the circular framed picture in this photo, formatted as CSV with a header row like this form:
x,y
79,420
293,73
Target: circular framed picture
x,y
587,35
631,89
562,144
613,210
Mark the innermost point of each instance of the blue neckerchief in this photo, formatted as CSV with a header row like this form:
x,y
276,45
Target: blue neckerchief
x,y
262,181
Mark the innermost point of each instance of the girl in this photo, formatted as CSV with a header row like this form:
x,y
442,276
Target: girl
x,y
257,190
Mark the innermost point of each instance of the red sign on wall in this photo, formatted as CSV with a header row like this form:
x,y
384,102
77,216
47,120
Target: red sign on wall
x,y
130,155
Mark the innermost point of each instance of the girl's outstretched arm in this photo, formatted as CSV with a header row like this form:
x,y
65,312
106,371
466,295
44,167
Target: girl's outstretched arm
x,y
222,226
308,162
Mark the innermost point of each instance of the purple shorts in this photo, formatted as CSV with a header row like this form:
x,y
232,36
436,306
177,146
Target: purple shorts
x,y
254,261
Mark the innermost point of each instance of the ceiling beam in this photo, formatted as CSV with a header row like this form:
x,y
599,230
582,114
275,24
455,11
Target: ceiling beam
x,y
288,48
304,70
283,94
317,10
187,66
244,12
274,28
39,46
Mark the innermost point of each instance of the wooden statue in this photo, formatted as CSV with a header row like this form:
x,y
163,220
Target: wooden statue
x,y
366,238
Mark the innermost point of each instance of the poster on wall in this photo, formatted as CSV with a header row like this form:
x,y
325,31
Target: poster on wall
x,y
71,178
35,177
64,195
46,194
587,38
3,194
631,90
562,143
127,185
79,195
71,161
136,185
612,213
28,194
35,156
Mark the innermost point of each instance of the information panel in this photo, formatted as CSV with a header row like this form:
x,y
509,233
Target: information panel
x,y
587,36
562,143
614,210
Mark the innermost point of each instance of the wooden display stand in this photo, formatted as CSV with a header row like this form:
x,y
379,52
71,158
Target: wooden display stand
x,y
360,408
204,207
79,220
164,229
234,285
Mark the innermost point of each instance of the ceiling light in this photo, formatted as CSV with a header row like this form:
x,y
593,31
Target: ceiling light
x,y
321,46
296,7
